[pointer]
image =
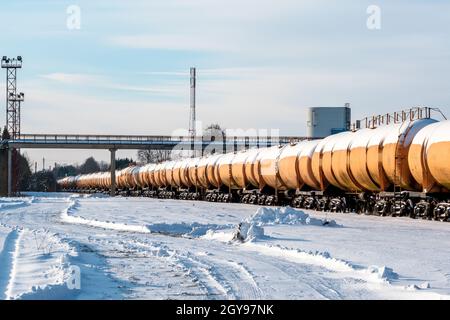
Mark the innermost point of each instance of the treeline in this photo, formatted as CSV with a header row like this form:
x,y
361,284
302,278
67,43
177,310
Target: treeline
x,y
90,165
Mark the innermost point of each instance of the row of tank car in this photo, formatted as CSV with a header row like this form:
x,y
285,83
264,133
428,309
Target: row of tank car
x,y
399,169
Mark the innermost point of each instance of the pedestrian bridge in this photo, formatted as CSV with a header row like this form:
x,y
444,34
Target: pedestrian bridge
x,y
136,142
71,141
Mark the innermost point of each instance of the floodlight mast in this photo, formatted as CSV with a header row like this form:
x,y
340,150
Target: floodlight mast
x,y
13,100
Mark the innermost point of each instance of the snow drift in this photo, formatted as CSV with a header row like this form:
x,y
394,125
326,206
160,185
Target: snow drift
x,y
251,229
271,216
193,229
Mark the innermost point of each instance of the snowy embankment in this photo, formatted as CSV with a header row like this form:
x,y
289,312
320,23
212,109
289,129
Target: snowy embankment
x,y
34,264
151,248
249,229
12,203
67,216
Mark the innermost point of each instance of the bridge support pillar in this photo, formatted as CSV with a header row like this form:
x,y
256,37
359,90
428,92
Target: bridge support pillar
x,y
9,172
113,172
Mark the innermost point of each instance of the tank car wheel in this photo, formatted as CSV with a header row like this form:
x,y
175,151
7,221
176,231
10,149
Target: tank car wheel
x,y
393,212
269,200
261,199
297,202
309,203
442,212
421,210
253,199
321,205
336,205
382,208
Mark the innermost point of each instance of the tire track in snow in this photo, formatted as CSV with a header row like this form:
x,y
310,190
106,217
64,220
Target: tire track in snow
x,y
238,277
218,278
211,283
250,277
8,263
5,205
200,273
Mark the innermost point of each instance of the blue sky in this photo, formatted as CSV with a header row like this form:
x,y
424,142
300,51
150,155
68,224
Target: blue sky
x,y
260,63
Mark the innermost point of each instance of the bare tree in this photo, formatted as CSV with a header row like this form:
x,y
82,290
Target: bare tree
x,y
153,156
213,132
104,166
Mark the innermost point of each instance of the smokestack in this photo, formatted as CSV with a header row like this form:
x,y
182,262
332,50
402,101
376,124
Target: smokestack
x,y
192,132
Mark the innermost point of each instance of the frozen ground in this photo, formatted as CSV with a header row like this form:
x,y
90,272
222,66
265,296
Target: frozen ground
x,y
139,248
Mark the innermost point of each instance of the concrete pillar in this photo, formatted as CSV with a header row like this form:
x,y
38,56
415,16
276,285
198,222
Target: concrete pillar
x,y
113,172
9,172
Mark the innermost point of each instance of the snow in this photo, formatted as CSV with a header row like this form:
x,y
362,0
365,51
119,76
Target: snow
x,y
141,248
291,150
184,229
73,205
285,215
247,231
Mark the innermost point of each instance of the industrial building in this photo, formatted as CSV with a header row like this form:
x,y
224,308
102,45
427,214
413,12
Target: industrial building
x,y
325,121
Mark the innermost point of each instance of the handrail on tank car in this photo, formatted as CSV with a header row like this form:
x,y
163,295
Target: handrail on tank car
x,y
410,114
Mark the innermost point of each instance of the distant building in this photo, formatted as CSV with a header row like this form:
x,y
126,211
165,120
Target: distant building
x,y
325,121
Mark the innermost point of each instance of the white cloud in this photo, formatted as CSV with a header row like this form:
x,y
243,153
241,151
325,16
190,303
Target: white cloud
x,y
73,78
97,81
170,42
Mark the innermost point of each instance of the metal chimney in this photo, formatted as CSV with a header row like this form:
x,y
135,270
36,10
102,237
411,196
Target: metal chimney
x,y
192,132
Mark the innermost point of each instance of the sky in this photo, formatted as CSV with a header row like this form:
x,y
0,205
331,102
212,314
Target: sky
x,y
260,63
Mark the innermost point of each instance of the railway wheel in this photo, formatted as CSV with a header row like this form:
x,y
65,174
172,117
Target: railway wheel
x,y
261,199
297,202
421,210
321,205
269,200
442,212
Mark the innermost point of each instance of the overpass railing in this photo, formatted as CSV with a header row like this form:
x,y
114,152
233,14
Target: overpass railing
x,y
139,139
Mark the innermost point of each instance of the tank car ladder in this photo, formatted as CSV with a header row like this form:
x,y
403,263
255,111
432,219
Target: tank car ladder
x,y
399,158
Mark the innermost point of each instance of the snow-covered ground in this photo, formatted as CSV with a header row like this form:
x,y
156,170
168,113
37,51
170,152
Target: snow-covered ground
x,y
69,246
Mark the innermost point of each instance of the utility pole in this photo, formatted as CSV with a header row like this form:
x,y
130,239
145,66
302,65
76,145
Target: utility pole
x,y
35,167
43,164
